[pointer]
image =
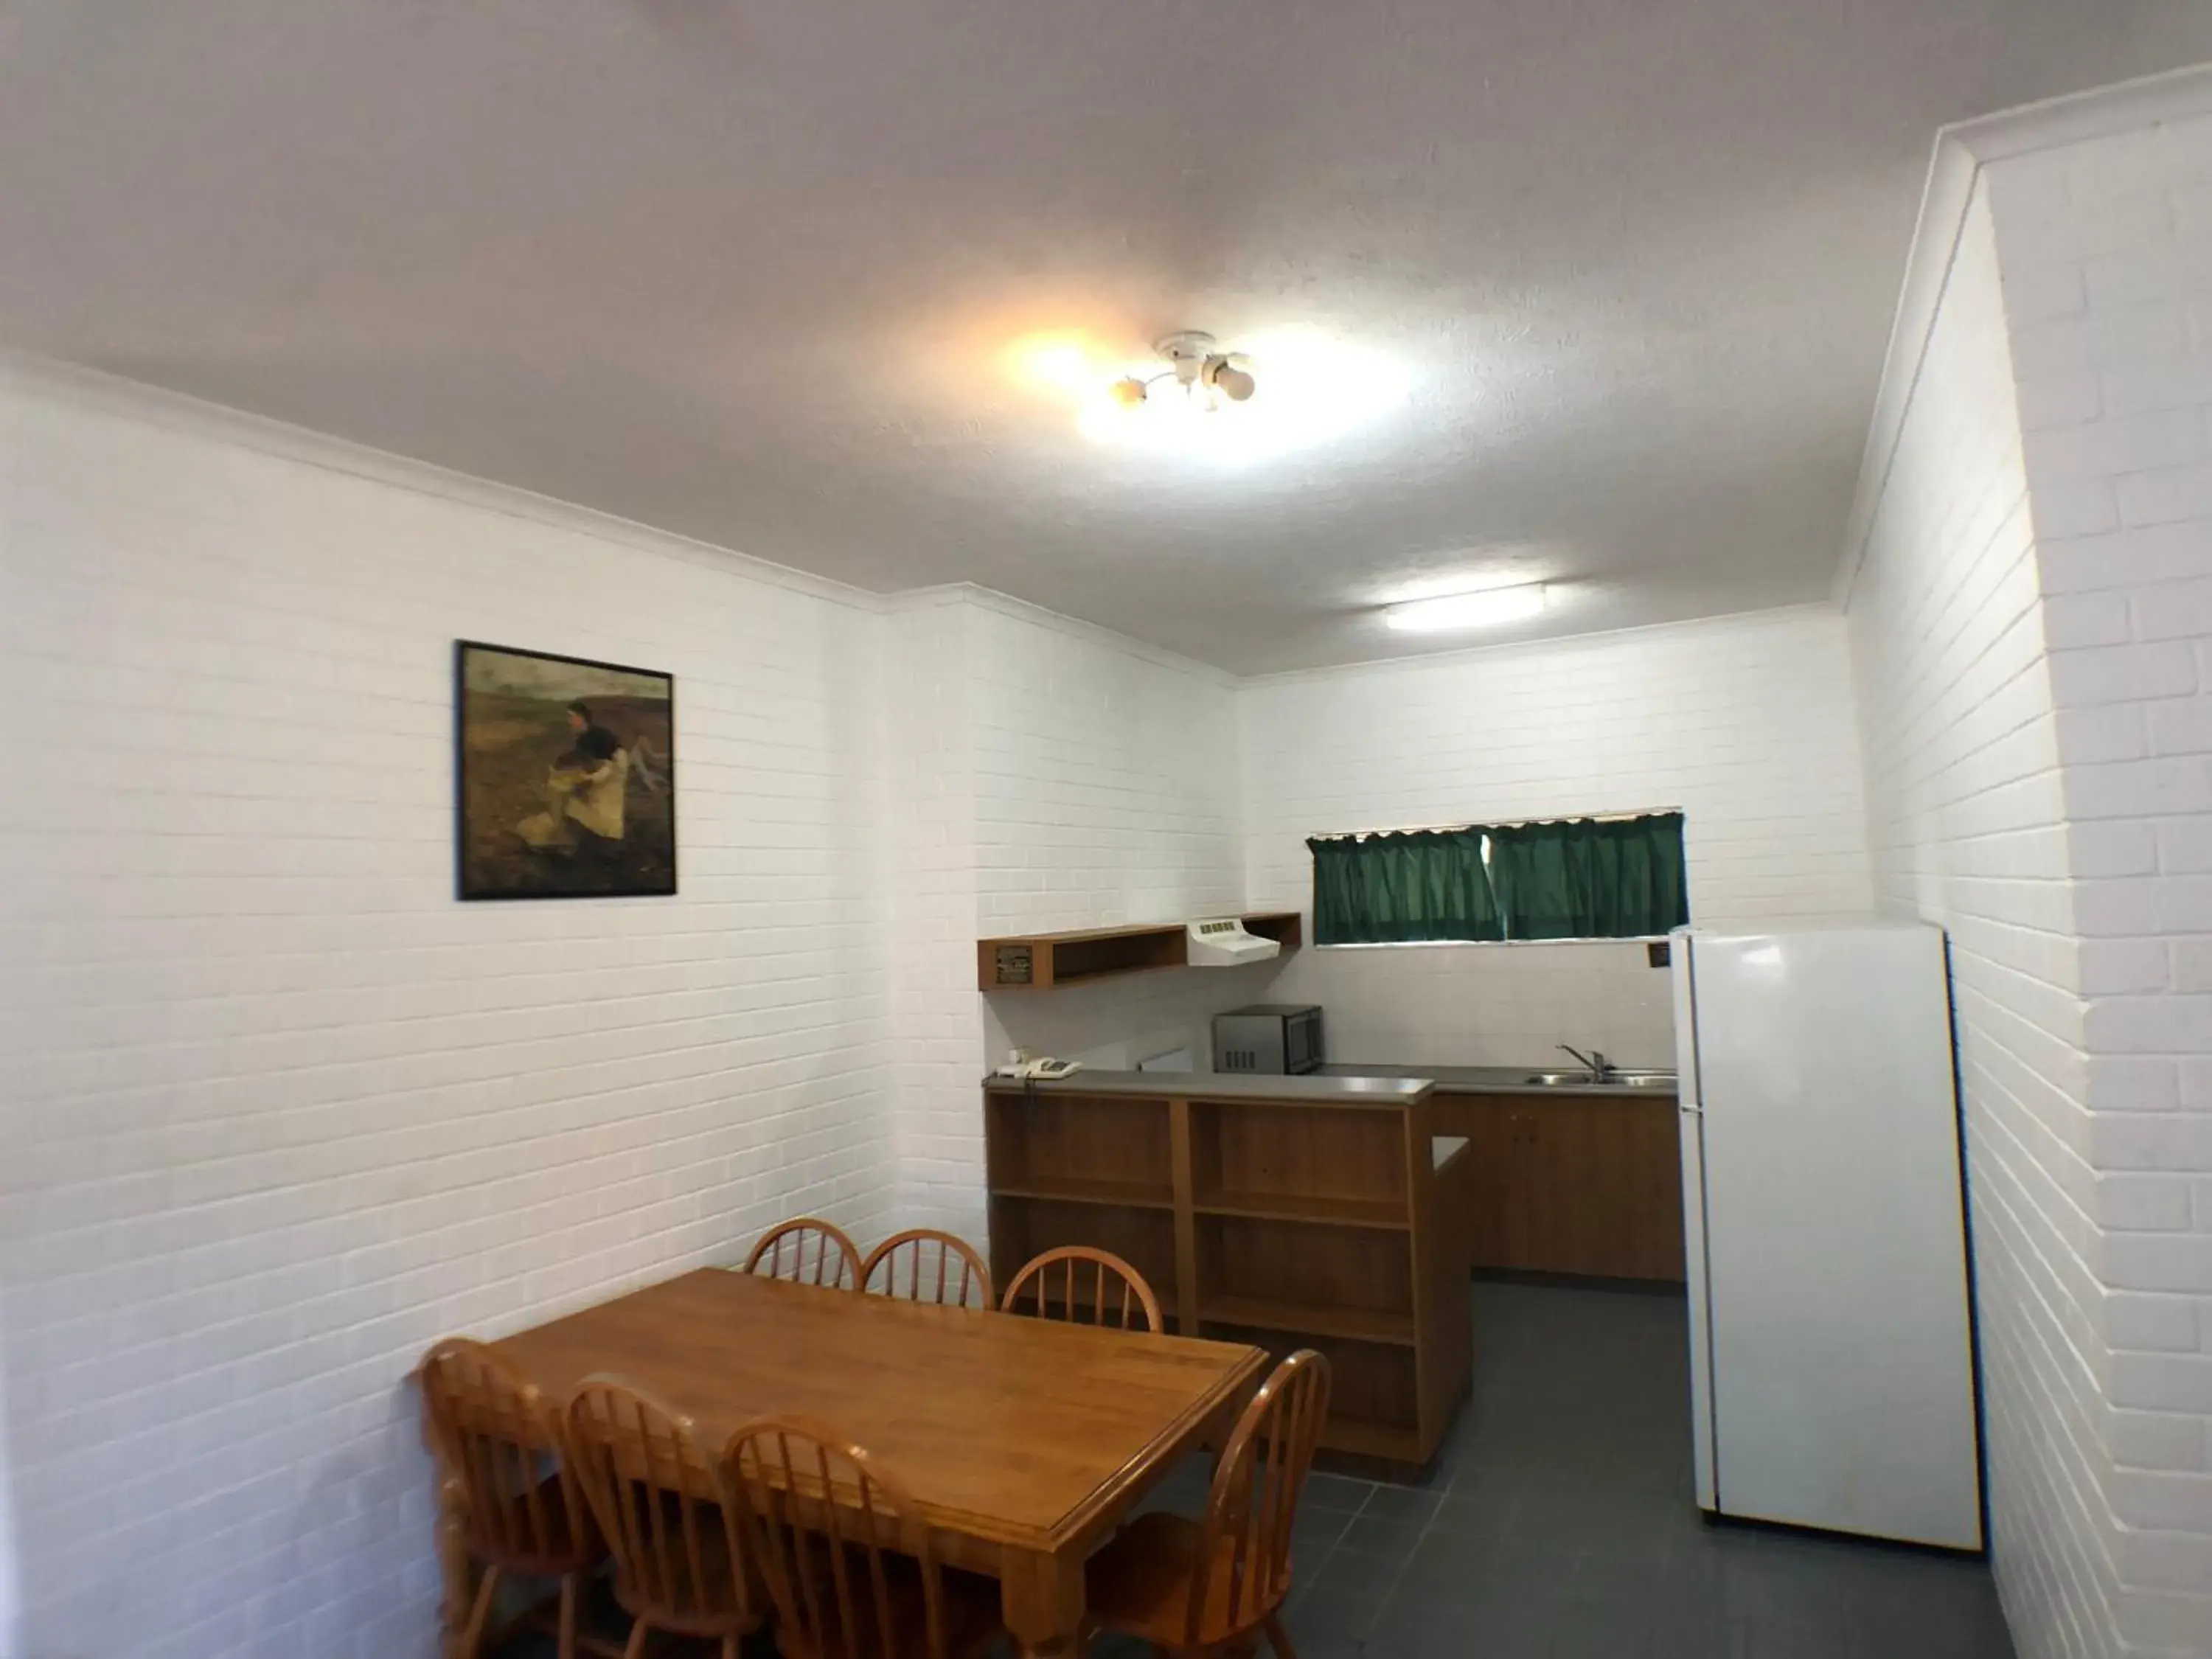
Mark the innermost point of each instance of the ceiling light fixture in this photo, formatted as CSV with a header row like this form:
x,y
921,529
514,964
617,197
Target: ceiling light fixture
x,y
1195,367
1281,391
1489,607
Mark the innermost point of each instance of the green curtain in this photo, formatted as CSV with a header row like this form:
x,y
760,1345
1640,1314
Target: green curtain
x,y
1576,878
1583,878
1423,884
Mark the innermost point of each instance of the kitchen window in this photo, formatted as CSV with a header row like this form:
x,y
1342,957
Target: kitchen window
x,y
1595,877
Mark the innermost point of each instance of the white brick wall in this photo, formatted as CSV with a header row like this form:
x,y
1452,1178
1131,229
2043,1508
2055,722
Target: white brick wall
x,y
1968,826
279,1111
1098,787
932,797
2120,224
2030,646
1743,723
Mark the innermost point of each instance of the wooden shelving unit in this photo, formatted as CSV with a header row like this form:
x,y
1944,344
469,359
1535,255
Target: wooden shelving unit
x,y
1133,1195
1048,961
1337,1225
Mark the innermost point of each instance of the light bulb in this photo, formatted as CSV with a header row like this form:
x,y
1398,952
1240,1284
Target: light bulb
x,y
1233,383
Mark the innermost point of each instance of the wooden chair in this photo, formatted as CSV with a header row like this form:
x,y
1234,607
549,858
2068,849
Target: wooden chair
x,y
806,1251
519,1510
852,1571
679,1565
933,1266
1210,1586
1116,1289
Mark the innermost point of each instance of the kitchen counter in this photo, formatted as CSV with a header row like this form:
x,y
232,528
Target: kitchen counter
x,y
1484,1081
1357,1086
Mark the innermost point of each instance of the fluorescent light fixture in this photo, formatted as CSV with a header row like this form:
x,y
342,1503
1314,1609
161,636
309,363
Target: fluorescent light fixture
x,y
1492,607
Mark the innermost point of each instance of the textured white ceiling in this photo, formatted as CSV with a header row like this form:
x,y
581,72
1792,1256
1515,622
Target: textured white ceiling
x,y
750,269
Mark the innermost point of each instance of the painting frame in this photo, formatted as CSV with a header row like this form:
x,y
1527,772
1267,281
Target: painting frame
x,y
500,854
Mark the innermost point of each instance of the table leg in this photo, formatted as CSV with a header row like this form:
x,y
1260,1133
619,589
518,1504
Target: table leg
x,y
1041,1596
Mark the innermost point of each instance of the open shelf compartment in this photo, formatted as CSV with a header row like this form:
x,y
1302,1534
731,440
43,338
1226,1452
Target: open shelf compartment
x,y
1293,1277
1345,1166
1374,1408
1045,962
1079,1149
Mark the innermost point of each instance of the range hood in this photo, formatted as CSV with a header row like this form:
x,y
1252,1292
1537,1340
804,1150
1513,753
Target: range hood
x,y
1225,942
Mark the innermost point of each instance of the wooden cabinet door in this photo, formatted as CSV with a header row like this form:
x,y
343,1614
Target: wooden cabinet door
x,y
1583,1184
1496,1227
1602,1180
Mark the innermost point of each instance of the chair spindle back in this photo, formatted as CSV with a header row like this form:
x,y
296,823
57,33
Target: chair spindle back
x,y
806,1250
825,1522
659,1501
1254,1501
501,1441
925,1265
1083,1281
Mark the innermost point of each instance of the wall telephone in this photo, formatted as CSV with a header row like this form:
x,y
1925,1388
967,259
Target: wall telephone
x,y
1045,1069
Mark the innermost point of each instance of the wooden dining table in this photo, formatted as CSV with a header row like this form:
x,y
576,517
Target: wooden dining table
x,y
1025,1442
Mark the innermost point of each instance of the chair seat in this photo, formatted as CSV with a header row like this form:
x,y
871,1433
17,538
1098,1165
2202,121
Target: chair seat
x,y
972,1619
1141,1583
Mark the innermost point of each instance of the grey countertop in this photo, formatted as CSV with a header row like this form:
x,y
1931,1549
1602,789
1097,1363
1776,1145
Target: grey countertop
x,y
1486,1080
1358,1086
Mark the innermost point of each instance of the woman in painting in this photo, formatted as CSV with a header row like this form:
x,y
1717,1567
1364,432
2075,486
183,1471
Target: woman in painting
x,y
585,788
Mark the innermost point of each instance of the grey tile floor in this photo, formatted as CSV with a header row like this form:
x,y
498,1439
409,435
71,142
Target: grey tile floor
x,y
1557,1522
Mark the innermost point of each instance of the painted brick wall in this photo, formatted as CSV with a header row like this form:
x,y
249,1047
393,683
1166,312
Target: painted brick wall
x,y
279,1111
2029,630
931,786
1098,786
1745,723
2106,246
1967,818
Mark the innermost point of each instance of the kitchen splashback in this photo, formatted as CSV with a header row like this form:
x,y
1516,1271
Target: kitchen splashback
x,y
1487,1004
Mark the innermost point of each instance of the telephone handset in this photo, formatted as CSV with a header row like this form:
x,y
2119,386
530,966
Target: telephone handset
x,y
1041,1070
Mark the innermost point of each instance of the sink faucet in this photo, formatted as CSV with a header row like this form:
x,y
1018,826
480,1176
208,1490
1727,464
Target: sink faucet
x,y
1596,1060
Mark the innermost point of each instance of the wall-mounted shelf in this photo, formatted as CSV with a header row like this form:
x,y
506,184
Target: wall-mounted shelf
x,y
1046,961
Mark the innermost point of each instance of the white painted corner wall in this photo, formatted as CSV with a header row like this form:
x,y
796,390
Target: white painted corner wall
x,y
1744,723
1967,824
2029,622
279,1111
1071,779
2106,246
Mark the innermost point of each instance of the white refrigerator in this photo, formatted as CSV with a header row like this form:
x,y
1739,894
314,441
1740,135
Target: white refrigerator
x,y
1831,1337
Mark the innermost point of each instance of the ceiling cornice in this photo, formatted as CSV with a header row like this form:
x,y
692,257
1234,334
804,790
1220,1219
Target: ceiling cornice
x,y
111,394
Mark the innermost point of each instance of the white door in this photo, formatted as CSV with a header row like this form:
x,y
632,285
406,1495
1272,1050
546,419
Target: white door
x,y
1841,1371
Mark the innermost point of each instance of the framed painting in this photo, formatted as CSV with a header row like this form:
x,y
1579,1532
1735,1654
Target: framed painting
x,y
565,774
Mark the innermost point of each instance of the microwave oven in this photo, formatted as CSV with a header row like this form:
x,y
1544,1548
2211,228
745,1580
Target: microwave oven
x,y
1268,1038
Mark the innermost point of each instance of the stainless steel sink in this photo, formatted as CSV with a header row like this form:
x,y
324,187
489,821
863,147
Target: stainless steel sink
x,y
1616,1079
